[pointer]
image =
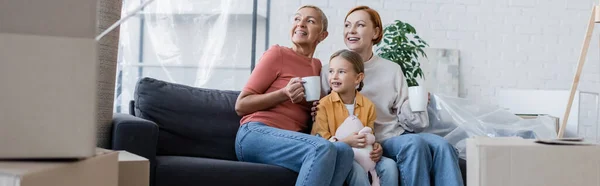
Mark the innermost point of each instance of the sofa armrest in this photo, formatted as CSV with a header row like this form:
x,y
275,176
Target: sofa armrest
x,y
135,135
138,136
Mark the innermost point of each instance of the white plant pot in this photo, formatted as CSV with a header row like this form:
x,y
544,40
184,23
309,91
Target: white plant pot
x,y
417,98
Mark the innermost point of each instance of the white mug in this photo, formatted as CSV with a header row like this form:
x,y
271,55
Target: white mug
x,y
417,98
312,88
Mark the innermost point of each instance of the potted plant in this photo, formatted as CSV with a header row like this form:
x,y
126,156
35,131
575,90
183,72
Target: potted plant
x,y
402,45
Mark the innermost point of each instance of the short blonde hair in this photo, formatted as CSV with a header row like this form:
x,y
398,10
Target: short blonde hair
x,y
324,20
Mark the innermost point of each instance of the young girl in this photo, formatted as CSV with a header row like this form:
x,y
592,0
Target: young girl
x,y
346,73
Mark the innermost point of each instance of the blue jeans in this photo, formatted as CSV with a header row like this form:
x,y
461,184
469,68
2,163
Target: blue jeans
x,y
424,159
386,170
317,161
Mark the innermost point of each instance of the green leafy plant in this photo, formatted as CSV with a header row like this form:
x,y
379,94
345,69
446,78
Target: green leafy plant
x,y
402,45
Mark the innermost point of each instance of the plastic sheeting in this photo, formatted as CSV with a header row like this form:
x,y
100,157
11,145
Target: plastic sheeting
x,y
200,43
457,119
208,44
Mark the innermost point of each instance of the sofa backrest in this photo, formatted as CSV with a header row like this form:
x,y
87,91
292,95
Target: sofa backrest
x,y
194,122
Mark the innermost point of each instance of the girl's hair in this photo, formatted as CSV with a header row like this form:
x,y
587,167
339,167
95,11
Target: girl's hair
x,y
374,17
355,59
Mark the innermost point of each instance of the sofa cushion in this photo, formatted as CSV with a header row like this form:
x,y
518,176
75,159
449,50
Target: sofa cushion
x,y
192,121
174,170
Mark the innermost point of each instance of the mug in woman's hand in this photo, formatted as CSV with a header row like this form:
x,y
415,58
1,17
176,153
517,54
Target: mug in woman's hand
x,y
312,88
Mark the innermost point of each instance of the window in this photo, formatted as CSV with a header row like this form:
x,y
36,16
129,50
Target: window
x,y
204,44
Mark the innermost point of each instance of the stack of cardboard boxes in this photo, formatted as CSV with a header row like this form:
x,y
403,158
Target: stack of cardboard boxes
x,y
105,168
49,73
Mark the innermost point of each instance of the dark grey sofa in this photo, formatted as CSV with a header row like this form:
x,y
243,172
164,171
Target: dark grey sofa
x,y
188,135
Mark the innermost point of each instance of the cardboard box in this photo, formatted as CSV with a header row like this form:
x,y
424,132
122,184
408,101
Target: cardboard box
x,y
134,170
99,170
522,162
48,74
555,120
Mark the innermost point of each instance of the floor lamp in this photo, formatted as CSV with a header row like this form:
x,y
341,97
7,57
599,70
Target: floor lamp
x,y
594,18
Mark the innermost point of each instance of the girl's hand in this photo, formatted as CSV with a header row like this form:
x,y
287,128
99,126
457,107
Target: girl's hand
x,y
356,140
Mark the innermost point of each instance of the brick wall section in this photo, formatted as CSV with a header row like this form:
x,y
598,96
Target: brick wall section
x,y
525,44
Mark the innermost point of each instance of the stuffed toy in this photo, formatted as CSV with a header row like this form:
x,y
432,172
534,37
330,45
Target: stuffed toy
x,y
362,155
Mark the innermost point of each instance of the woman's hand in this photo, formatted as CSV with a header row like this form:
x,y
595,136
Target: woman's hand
x,y
356,140
428,98
377,152
294,90
313,110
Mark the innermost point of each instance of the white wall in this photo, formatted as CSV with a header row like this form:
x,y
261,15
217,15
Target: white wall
x,y
524,44
502,43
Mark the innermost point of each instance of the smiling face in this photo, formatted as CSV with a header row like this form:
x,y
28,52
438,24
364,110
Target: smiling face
x,y
308,27
343,77
359,31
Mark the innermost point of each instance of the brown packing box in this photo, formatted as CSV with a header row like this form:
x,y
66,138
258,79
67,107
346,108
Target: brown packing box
x,y
98,170
48,74
134,170
522,162
535,116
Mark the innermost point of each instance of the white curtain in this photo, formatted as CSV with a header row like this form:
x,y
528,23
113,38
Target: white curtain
x,y
199,43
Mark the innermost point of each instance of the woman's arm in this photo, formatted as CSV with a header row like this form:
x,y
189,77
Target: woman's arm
x,y
254,96
409,120
248,103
